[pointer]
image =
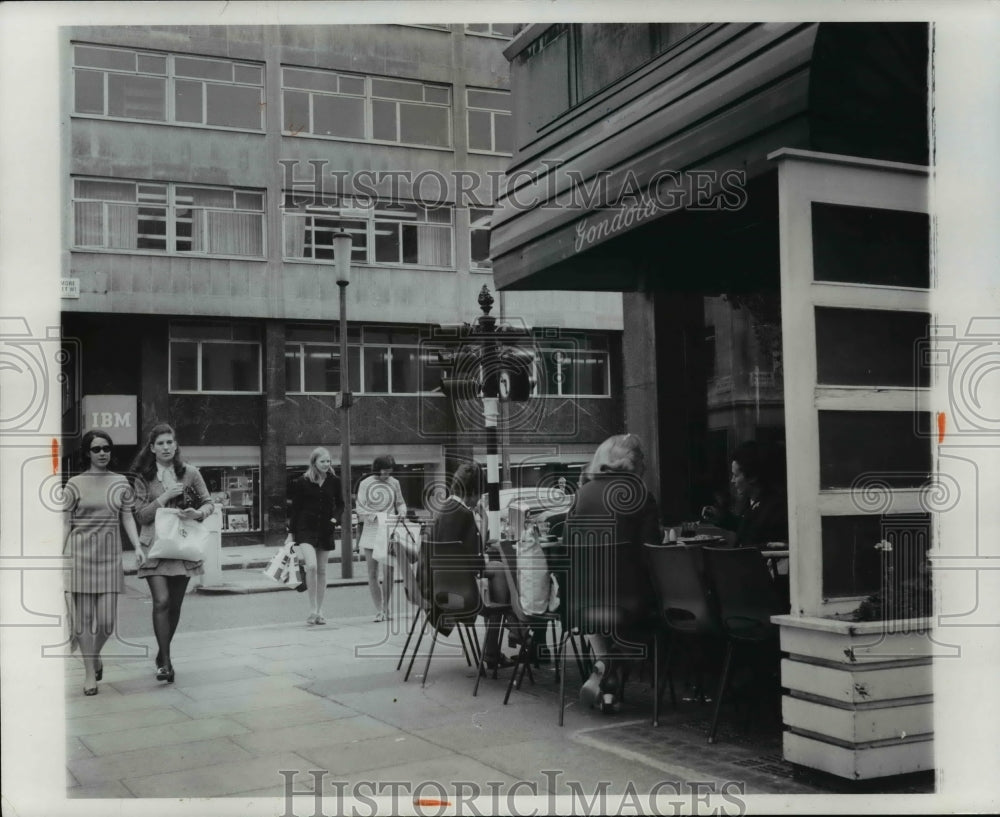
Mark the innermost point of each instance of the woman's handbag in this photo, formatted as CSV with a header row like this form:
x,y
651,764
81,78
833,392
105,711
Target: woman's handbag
x,y
178,538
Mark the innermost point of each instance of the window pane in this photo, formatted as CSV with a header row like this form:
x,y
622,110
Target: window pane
x,y
480,131
853,566
104,190
869,347
136,97
591,373
503,127
234,106
183,366
230,367
411,254
442,96
384,120
152,228
252,74
293,371
480,241
870,246
405,370
188,101
235,233
205,69
152,64
387,247
423,125
88,224
311,80
479,28
250,201
494,100
504,29
339,116
352,85
296,111
322,368
376,370
89,91
392,89
891,446
205,196
105,58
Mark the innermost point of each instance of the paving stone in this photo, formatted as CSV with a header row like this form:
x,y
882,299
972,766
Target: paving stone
x,y
108,701
343,730
251,686
377,753
112,790
75,750
186,732
120,721
317,709
269,699
139,762
224,779
444,770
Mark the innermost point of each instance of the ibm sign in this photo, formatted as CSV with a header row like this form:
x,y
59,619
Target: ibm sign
x,y
116,414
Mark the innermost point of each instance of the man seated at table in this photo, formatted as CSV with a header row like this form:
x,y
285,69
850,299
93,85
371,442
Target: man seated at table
x,y
762,510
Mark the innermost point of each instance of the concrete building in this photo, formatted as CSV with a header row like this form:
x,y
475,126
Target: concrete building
x,y
206,171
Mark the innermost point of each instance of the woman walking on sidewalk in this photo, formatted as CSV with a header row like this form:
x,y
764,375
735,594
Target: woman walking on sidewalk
x,y
98,505
316,504
163,480
379,493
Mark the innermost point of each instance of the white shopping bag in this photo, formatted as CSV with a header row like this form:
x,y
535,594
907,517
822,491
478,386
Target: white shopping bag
x,y
281,568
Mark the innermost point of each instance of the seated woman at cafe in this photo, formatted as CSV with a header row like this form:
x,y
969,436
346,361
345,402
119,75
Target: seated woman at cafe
x,y
612,496
762,514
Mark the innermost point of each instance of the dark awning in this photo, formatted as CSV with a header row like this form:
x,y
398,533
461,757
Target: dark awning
x,y
719,101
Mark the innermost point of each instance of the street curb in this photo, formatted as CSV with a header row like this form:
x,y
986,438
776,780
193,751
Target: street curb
x,y
236,589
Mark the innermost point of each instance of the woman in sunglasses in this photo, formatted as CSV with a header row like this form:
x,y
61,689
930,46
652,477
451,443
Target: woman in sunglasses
x,y
98,506
163,480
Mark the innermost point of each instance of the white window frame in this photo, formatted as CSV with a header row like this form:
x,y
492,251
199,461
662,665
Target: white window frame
x,y
369,98
805,177
490,32
375,217
171,205
201,342
170,78
493,112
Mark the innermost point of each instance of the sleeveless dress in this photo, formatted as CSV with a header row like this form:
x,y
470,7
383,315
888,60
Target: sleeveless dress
x,y
96,502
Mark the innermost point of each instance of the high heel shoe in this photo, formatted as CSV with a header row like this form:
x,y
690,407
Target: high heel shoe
x,y
165,674
88,691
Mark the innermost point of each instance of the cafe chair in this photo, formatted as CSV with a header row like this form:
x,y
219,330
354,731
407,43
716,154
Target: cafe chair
x,y
494,593
521,623
454,601
686,609
746,601
592,606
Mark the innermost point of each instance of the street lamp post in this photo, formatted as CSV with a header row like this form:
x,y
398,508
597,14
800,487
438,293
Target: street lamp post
x,y
342,259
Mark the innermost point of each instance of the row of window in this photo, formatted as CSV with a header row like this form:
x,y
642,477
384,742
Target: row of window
x,y
120,83
174,218
227,358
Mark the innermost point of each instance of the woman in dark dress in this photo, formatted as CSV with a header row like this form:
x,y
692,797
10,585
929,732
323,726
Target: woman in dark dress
x,y
613,498
316,503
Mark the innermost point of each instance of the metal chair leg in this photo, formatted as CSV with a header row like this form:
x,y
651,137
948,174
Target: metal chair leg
x,y
465,651
480,672
416,649
477,650
722,688
521,656
427,666
409,636
562,677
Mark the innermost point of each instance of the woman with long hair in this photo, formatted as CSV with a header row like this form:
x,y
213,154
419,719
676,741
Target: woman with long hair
x,y
98,504
163,480
612,496
378,493
316,504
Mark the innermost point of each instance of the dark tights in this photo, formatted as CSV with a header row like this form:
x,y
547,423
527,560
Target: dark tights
x,y
168,595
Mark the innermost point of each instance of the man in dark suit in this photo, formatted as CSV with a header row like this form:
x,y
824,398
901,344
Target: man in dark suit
x,y
455,523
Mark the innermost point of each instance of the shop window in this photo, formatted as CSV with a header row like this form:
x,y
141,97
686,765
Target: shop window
x,y
168,218
220,358
237,489
870,347
354,106
124,83
870,245
573,368
893,447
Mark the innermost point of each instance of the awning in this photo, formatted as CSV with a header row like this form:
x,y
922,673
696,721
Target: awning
x,y
689,133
